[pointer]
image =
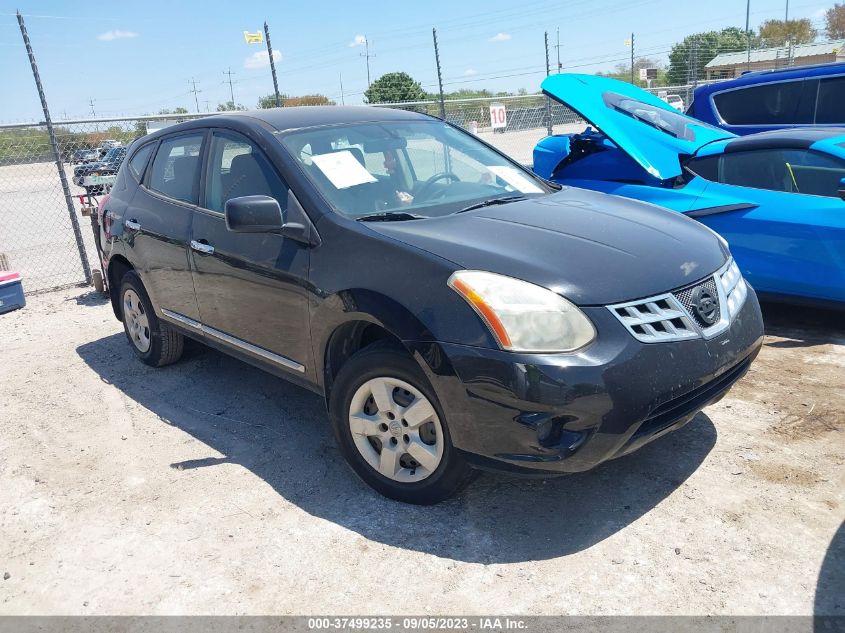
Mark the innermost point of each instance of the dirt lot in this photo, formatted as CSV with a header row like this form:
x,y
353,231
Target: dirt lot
x,y
210,487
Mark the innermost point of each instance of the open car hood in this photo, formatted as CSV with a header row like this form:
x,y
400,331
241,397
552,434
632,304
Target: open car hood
x,y
613,107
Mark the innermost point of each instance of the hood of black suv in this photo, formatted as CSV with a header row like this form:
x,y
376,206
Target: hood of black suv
x,y
592,248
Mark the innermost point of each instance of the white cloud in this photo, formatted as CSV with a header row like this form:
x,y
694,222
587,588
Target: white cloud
x,y
820,13
359,40
470,71
260,59
500,37
108,36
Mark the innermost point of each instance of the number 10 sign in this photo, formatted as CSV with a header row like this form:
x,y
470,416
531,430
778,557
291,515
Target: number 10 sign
x,y
498,115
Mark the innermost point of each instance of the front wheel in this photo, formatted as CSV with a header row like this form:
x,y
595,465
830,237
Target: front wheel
x,y
391,429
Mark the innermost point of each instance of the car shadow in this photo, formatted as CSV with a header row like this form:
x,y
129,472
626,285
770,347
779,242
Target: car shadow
x,y
802,326
91,298
830,588
280,432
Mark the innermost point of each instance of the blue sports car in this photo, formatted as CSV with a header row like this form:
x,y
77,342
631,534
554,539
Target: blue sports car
x,y
777,197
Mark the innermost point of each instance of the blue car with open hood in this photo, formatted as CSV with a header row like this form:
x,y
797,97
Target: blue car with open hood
x,y
778,197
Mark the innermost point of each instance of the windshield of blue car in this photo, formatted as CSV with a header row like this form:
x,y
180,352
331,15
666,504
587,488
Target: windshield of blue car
x,y
670,122
407,169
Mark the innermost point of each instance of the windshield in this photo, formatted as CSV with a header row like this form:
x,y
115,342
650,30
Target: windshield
x,y
672,123
406,169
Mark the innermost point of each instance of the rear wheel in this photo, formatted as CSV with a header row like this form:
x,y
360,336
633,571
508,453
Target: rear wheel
x,y
391,429
154,342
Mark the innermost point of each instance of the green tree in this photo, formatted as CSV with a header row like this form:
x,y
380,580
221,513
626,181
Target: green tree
x,y
698,49
229,106
269,101
174,111
781,32
623,72
834,22
394,88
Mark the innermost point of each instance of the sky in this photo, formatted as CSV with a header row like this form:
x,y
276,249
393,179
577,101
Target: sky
x,y
134,58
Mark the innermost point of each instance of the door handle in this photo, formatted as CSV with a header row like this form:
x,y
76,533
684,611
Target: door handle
x,y
201,247
132,225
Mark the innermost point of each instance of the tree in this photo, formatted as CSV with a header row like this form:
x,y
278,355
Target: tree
x,y
394,88
229,106
692,54
623,72
781,32
834,22
174,111
269,101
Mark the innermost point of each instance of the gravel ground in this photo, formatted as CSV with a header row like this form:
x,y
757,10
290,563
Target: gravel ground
x,y
210,487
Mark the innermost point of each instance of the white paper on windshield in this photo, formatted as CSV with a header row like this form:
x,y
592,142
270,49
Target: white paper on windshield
x,y
342,169
515,179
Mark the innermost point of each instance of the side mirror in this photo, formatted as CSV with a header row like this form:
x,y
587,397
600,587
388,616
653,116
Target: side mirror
x,y
253,214
262,214
841,190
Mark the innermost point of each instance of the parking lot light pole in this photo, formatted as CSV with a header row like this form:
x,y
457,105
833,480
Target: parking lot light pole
x,y
57,155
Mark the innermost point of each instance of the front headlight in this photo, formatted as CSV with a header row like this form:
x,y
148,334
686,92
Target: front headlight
x,y
523,317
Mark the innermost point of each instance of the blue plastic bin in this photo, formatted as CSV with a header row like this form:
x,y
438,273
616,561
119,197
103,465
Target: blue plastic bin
x,y
11,292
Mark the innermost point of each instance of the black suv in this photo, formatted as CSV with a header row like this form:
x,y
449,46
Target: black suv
x,y
454,310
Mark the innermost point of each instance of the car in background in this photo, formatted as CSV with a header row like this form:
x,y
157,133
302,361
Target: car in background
x,y
85,156
452,308
777,197
95,176
799,96
675,101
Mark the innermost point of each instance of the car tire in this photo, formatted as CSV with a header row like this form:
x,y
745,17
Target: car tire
x,y
156,343
364,429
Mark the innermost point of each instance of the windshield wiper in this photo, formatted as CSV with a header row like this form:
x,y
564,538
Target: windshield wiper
x,y
491,202
390,216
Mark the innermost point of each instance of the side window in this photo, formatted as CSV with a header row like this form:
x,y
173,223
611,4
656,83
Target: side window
x,y
779,103
790,170
237,168
139,160
831,104
707,167
176,167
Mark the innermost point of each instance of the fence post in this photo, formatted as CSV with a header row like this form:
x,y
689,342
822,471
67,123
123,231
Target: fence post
x,y
57,155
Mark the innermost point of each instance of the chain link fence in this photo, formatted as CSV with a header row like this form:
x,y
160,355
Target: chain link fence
x,y
37,236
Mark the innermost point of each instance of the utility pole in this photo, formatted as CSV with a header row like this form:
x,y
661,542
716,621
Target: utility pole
x,y
632,58
439,75
367,55
57,155
548,101
193,83
342,100
230,82
272,66
206,106
91,104
557,46
748,34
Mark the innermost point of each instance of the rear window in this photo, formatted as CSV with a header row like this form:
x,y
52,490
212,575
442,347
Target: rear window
x,y
175,169
670,122
780,103
139,160
831,104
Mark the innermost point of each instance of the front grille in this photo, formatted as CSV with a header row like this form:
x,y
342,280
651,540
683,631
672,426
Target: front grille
x,y
685,297
674,317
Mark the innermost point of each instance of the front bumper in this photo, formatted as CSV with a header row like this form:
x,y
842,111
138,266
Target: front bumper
x,y
556,413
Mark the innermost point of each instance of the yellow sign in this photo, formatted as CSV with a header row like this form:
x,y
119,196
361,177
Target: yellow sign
x,y
254,38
